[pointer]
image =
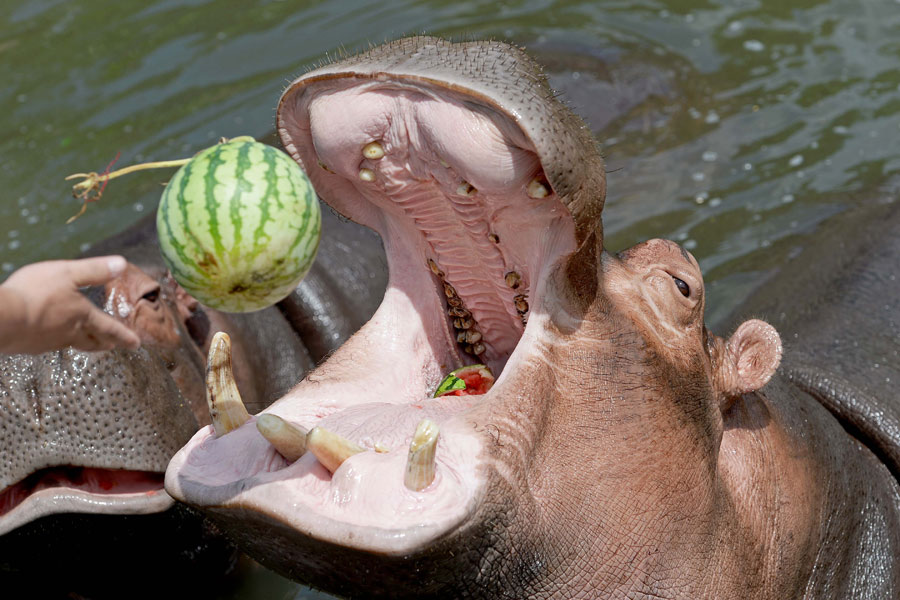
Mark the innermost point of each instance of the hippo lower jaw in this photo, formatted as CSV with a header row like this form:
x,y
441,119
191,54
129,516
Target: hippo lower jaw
x,y
82,490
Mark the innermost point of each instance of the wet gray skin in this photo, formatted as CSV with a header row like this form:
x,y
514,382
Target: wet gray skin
x,y
86,437
624,450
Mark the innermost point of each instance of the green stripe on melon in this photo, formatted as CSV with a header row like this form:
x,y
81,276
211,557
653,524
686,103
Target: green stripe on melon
x,y
239,226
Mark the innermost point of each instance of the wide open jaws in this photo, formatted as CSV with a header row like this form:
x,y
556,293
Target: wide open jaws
x,y
472,222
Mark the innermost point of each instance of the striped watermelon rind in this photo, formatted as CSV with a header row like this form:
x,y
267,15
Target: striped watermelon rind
x,y
239,225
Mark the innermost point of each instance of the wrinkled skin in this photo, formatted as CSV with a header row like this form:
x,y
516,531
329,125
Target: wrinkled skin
x,y
89,435
624,450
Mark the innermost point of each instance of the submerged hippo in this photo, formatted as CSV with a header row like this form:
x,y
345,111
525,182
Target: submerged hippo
x,y
85,437
624,450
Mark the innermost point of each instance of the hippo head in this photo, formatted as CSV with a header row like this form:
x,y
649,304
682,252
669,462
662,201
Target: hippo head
x,y
93,432
595,457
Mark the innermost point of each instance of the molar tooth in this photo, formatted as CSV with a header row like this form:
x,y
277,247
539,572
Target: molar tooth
x,y
367,174
536,187
226,409
434,268
478,349
494,238
420,464
461,337
458,312
455,302
288,439
465,189
513,279
463,323
521,304
473,336
373,150
330,448
468,349
449,291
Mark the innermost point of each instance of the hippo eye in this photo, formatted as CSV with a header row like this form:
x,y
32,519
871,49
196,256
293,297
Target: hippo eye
x,y
152,295
682,287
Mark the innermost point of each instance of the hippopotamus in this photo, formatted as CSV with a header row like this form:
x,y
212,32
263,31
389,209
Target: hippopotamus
x,y
86,436
624,449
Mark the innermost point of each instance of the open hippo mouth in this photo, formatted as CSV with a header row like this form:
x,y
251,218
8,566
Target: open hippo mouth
x,y
70,440
70,489
479,182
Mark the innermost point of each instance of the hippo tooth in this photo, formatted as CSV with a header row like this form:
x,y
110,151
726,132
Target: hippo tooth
x,y
521,304
478,349
373,150
330,448
473,337
420,465
449,291
463,323
465,189
494,238
434,268
454,301
381,448
536,188
226,409
289,440
458,312
367,174
512,279
461,337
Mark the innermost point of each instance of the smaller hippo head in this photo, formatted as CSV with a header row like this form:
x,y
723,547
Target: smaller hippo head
x,y
93,432
169,322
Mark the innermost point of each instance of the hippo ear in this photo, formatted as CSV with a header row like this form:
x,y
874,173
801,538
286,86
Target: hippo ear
x,y
184,302
753,353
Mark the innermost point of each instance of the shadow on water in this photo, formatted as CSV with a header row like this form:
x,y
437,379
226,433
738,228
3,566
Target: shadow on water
x,y
734,128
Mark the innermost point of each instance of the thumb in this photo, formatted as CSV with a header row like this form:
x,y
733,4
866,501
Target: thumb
x,y
96,271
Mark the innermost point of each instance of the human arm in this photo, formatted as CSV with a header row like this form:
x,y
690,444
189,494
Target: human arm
x,y
42,309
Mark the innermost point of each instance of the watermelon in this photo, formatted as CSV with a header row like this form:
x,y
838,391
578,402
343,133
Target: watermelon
x,y
239,225
471,380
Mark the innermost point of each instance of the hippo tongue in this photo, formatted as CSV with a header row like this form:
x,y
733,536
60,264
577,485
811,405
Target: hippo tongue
x,y
474,216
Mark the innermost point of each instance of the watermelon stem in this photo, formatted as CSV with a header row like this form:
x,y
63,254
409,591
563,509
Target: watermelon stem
x,y
90,189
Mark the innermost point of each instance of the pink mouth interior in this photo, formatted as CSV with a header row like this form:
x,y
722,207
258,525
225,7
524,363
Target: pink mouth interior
x,y
452,189
107,482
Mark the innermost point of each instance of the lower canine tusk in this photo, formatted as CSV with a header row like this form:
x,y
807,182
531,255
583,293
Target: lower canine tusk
x,y
289,440
330,448
226,409
420,465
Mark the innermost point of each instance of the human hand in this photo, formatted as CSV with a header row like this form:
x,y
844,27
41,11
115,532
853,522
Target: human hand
x,y
41,308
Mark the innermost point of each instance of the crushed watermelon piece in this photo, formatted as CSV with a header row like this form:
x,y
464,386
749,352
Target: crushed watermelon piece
x,y
471,380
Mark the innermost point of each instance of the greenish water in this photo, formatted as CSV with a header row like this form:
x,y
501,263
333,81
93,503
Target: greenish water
x,y
734,127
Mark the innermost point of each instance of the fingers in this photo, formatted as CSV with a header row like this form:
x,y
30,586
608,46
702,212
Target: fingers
x,y
102,332
95,271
